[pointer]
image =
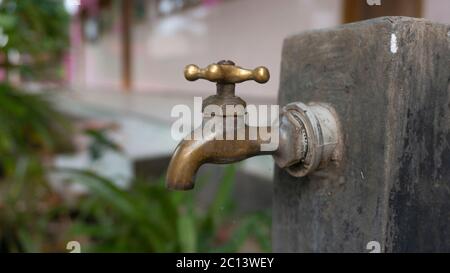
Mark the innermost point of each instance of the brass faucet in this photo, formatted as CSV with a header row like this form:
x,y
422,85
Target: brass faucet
x,y
307,134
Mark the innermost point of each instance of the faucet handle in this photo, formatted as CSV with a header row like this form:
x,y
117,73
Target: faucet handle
x,y
226,72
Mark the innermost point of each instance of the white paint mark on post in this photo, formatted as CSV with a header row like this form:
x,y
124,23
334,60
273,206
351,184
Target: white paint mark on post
x,y
394,47
373,2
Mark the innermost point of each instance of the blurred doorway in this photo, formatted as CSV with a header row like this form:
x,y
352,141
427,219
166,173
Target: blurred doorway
x,y
358,10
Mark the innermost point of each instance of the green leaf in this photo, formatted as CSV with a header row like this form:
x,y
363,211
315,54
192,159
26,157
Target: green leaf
x,y
187,233
222,202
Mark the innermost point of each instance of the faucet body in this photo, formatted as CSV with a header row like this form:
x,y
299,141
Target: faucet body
x,y
306,136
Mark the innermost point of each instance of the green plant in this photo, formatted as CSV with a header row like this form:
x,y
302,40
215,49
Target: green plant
x,y
149,218
30,132
37,30
30,125
100,143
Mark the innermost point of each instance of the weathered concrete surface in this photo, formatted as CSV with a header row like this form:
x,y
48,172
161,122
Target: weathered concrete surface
x,y
389,81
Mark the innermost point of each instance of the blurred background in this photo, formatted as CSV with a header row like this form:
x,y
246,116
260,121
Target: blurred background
x,y
86,90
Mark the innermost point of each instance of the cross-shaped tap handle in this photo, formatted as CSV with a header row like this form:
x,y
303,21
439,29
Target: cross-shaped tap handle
x,y
226,72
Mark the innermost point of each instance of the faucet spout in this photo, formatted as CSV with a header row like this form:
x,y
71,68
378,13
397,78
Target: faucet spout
x,y
191,154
